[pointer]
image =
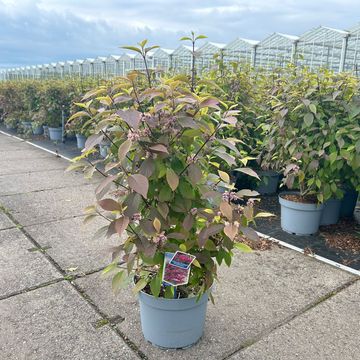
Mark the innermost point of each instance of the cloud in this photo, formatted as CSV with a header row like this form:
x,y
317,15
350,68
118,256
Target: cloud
x,y
43,31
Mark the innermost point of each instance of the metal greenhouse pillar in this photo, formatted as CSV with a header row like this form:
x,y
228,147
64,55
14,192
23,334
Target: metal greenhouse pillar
x,y
343,52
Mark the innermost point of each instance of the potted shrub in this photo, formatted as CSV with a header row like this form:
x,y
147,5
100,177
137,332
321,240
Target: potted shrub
x,y
38,121
292,136
57,98
11,121
159,197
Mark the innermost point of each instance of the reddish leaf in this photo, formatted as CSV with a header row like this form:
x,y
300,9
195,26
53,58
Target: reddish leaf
x,y
226,209
250,233
177,236
111,229
231,230
121,224
124,149
147,167
188,222
172,179
131,117
194,173
207,232
139,183
104,186
210,103
159,149
92,140
122,98
109,204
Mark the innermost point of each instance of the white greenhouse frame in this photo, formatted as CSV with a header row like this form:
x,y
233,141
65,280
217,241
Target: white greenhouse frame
x,y
335,49
322,47
277,50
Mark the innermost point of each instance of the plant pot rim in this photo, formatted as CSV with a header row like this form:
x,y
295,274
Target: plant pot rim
x,y
55,128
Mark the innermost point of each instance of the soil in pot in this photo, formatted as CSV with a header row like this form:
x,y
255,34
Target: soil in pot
x,y
300,216
172,323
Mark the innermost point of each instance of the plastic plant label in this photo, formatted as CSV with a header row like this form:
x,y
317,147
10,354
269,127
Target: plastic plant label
x,y
182,260
174,275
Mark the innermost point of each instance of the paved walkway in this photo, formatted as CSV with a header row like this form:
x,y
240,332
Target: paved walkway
x,y
54,304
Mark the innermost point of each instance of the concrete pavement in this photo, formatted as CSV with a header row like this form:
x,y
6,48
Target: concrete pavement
x,y
54,304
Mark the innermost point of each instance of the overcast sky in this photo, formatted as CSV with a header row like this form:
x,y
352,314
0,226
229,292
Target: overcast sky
x,y
43,31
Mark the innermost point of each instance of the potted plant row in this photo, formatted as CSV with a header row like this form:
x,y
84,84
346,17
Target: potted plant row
x,y
313,134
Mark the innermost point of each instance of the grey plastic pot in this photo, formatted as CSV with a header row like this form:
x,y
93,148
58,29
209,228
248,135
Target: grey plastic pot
x,y
299,218
55,134
269,182
38,130
104,149
80,141
46,131
10,127
348,203
172,323
331,212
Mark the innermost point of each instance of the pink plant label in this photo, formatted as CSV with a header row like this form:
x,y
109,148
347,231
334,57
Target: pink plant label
x,y
174,275
182,260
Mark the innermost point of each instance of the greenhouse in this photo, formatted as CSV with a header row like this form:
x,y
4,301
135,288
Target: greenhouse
x,y
208,54
277,50
322,47
182,57
352,56
163,59
241,50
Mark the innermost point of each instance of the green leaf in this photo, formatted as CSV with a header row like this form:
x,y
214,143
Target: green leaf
x,y
312,108
263,214
308,119
155,285
224,176
172,179
169,292
132,48
139,285
243,247
151,48
333,157
119,281
249,172
185,38
143,43
201,37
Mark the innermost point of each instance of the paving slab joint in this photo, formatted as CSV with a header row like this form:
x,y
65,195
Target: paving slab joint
x,y
287,320
70,279
106,320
